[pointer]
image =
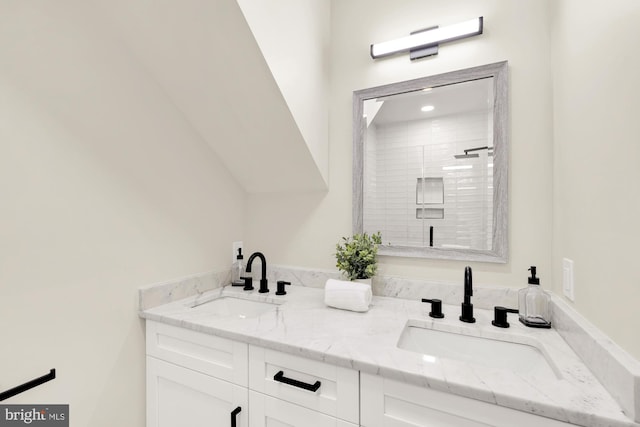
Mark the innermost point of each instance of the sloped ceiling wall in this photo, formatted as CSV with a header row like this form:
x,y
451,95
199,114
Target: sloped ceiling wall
x,y
294,37
205,57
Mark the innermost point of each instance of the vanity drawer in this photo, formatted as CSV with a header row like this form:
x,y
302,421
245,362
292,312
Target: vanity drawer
x,y
337,393
219,357
390,403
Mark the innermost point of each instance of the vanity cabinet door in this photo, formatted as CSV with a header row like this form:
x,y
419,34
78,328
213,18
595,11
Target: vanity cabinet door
x,y
179,397
267,411
389,403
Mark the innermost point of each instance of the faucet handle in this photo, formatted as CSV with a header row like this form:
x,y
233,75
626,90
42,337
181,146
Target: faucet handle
x,y
436,308
248,283
500,316
280,287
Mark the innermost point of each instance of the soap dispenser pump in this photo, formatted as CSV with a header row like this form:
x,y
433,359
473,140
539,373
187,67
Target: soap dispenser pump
x,y
534,303
237,270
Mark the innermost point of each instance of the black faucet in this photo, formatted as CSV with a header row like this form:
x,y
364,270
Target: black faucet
x,y
263,281
467,307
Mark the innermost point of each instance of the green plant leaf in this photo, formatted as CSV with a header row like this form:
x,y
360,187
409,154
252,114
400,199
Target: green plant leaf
x,y
356,257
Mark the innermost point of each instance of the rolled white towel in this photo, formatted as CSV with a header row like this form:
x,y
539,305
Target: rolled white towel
x,y
352,296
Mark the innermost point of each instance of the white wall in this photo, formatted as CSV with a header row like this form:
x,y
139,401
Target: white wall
x,y
596,154
105,188
293,36
303,229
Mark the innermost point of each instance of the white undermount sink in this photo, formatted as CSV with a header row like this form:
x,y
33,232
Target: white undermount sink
x,y
518,357
234,307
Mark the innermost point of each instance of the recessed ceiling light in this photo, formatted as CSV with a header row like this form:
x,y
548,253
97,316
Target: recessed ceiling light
x,y
427,108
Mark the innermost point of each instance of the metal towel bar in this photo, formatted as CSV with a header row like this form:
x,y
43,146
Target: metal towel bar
x,y
28,385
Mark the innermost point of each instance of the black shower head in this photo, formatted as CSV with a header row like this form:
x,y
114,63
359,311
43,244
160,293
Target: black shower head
x,y
466,154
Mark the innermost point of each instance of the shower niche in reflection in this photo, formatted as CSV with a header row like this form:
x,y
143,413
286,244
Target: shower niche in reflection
x,y
429,191
427,167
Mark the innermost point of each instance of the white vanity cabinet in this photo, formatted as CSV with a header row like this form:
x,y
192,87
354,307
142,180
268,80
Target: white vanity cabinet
x,y
195,379
390,403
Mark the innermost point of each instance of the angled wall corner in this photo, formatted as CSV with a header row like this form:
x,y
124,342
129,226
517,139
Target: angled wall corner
x,y
294,38
580,125
206,60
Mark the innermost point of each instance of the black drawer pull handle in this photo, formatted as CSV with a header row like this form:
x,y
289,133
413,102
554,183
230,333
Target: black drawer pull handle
x,y
281,378
234,413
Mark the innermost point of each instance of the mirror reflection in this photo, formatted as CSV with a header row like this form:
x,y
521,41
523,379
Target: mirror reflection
x,y
430,165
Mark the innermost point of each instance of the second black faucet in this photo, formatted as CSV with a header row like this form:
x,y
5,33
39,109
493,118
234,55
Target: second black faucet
x,y
263,281
467,307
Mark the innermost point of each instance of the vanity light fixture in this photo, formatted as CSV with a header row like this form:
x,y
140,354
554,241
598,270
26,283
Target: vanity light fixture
x,y
425,42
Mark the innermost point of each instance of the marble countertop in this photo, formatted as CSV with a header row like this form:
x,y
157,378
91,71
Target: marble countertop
x,y
302,324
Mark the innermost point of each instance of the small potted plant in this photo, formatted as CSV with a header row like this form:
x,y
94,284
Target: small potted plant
x,y
356,255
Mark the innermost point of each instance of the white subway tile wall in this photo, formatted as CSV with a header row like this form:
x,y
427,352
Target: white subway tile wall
x,y
397,155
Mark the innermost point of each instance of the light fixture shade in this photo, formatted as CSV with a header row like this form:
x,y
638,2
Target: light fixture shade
x,y
432,37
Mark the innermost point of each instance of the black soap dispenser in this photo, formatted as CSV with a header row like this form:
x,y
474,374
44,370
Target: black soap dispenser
x,y
534,303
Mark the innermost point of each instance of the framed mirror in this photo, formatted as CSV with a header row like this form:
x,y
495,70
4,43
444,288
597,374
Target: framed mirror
x,y
430,165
